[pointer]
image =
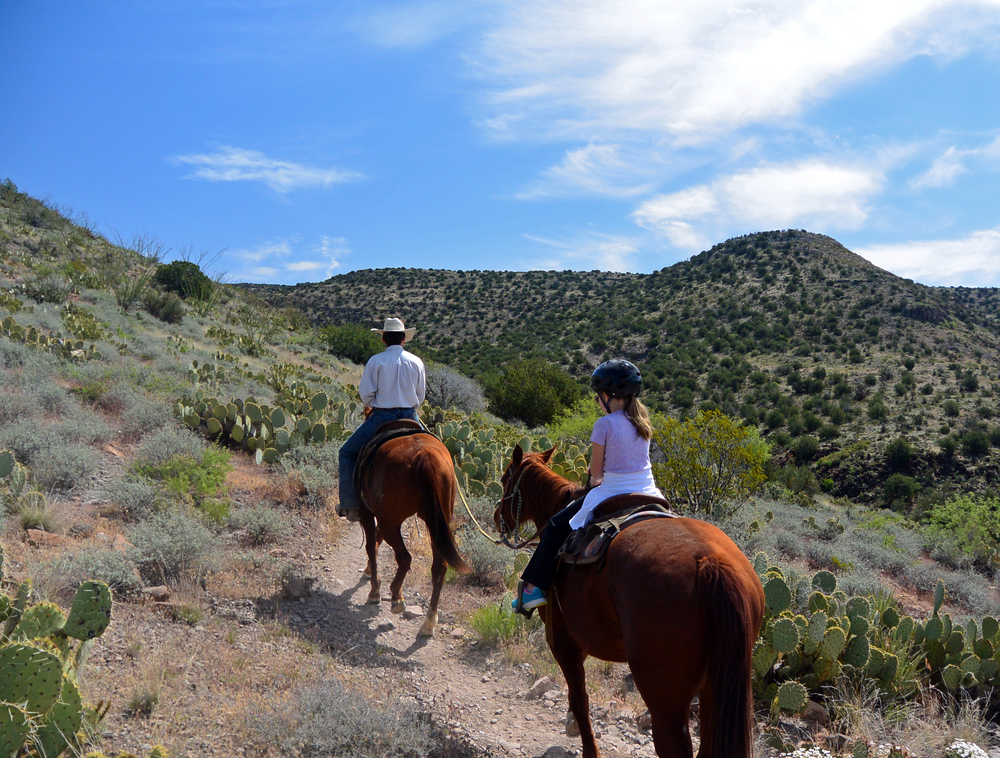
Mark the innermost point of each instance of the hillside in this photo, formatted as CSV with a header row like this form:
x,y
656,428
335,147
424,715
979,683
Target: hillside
x,y
788,330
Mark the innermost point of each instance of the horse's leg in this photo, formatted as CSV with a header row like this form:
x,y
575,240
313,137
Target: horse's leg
x,y
570,659
670,733
438,570
394,539
371,547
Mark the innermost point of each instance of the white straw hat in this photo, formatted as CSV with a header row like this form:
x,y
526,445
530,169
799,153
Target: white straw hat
x,y
396,325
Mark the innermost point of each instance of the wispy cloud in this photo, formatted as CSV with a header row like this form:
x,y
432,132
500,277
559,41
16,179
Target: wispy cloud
x,y
605,252
810,193
691,70
413,25
286,264
233,164
954,162
971,261
591,170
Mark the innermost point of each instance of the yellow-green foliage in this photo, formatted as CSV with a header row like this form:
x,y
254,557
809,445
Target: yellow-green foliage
x,y
577,421
712,462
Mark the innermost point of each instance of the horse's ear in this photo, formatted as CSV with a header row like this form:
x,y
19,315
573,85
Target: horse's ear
x,y
548,453
518,456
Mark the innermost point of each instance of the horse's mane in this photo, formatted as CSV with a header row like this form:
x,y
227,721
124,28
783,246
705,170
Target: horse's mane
x,y
542,485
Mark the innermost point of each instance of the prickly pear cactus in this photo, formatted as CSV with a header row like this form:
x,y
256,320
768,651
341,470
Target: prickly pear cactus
x,y
792,697
91,612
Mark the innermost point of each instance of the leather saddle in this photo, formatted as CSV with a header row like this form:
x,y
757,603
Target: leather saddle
x,y
590,544
390,430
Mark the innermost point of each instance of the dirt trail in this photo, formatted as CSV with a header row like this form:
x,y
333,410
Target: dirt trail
x,y
481,697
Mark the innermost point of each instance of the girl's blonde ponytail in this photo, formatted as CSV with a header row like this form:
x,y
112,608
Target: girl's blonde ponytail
x,y
639,416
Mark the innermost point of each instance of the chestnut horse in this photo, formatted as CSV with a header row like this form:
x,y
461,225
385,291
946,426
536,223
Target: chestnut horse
x,y
674,598
410,475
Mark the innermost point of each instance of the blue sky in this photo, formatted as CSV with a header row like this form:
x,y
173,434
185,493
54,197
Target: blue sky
x,y
307,139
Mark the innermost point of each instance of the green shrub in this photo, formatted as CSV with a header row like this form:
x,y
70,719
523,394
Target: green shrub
x,y
49,288
950,408
898,453
137,498
970,522
198,477
532,391
352,342
975,443
576,421
805,448
496,623
899,490
112,567
712,463
877,409
169,442
260,525
165,306
184,278
168,545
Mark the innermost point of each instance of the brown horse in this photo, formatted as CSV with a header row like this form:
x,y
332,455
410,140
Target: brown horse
x,y
410,475
675,599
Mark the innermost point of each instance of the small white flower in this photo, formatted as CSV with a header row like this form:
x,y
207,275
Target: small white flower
x,y
964,749
810,752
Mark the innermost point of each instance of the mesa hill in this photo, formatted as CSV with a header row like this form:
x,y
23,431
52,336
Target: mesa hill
x,y
826,353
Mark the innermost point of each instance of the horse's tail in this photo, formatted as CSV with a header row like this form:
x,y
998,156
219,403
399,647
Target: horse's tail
x,y
436,508
733,623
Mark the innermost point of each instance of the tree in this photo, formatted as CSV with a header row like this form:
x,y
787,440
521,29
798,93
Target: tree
x,y
712,462
533,391
352,342
447,388
184,278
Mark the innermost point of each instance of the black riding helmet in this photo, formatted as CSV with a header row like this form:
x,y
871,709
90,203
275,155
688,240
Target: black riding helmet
x,y
617,378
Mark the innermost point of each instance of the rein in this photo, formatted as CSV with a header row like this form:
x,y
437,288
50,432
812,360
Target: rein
x,y
505,530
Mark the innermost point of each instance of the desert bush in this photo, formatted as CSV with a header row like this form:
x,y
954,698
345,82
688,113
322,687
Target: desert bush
x,y
137,413
14,406
128,267
138,498
712,463
260,525
899,490
898,453
183,278
49,287
64,467
489,562
969,522
261,325
496,624
315,467
577,421
805,448
168,544
109,566
167,443
327,720
447,388
165,306
975,443
353,342
532,391
199,478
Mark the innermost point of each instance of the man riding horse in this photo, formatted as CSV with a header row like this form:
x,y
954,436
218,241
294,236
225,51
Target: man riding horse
x,y
393,386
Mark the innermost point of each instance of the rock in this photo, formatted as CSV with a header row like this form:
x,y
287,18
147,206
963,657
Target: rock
x,y
552,695
509,747
556,751
837,742
815,712
412,612
625,714
160,593
38,538
541,686
458,632
645,721
295,587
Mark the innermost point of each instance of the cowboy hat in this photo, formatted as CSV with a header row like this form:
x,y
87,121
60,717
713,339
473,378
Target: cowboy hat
x,y
395,325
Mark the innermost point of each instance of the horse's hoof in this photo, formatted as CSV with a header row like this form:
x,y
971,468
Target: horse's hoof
x,y
398,606
572,728
425,631
367,572
374,599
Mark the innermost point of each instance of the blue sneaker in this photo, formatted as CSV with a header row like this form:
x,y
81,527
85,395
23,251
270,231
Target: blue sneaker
x,y
528,600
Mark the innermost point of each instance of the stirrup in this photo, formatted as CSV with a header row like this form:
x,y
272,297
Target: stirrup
x,y
536,599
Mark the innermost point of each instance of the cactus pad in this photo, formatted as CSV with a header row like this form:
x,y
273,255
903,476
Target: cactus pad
x,y
91,611
764,658
785,635
817,602
6,463
951,676
14,729
889,667
792,697
857,606
777,596
933,628
62,722
857,651
29,675
825,582
817,627
41,620
938,596
990,628
890,618
983,648
955,643
833,643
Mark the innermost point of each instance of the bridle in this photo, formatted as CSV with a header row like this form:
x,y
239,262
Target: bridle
x,y
506,531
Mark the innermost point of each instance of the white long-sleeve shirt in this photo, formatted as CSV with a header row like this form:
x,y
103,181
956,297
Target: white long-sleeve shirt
x,y
393,378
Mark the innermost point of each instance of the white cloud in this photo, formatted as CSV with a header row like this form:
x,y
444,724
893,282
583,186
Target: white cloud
x,y
810,193
233,164
605,252
952,164
306,266
971,261
324,256
690,69
591,170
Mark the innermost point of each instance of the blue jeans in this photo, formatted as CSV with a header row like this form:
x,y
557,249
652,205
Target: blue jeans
x,y
350,450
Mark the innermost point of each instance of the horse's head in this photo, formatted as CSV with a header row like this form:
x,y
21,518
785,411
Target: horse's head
x,y
530,490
